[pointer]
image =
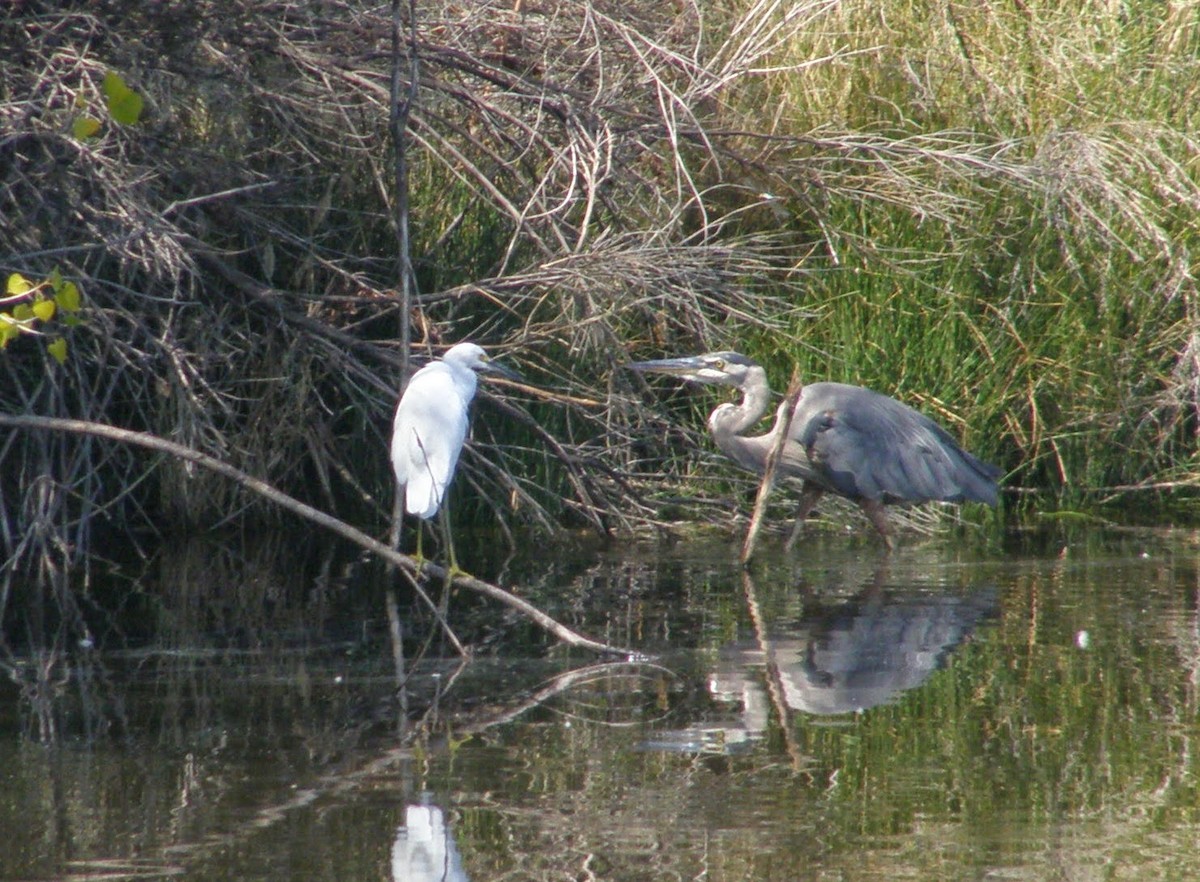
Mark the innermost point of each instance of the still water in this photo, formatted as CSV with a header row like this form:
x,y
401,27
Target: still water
x,y
1015,710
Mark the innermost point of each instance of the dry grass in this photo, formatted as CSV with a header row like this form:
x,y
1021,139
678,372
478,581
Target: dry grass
x,y
236,254
940,201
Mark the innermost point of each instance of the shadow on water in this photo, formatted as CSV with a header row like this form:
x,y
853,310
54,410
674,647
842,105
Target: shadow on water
x,y
228,711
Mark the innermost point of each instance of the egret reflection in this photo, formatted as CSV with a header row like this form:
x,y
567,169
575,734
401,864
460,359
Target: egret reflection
x,y
424,850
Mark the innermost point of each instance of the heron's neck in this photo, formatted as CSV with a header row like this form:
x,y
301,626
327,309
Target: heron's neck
x,y
734,419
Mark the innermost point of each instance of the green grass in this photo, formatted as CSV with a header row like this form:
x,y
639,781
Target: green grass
x,y
1008,200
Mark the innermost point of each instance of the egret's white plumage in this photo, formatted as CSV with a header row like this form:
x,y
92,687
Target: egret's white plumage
x,y
431,426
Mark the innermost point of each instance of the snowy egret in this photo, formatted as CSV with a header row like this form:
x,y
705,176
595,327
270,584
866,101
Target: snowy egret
x,y
430,428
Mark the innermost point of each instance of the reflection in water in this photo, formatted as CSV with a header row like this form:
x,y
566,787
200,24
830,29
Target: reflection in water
x,y
840,657
857,654
424,850
259,737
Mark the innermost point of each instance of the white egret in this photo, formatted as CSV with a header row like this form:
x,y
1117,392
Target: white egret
x,y
430,428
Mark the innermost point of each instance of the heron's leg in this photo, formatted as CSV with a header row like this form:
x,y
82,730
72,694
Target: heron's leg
x,y
877,514
810,495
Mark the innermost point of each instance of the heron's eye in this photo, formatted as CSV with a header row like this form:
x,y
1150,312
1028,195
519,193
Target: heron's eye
x,y
719,364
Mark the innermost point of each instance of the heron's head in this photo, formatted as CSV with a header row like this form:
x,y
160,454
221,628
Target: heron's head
x,y
470,355
714,368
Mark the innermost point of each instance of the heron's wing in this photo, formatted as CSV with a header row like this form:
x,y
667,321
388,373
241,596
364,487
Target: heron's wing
x,y
427,437
793,461
867,446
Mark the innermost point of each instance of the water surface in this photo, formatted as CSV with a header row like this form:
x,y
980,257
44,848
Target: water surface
x,y
953,711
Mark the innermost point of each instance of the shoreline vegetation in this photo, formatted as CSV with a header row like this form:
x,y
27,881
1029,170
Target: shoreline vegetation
x,y
985,210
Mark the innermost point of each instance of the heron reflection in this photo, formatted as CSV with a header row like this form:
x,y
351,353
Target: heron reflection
x,y
842,656
852,655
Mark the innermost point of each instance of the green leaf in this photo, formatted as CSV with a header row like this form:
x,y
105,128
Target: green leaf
x,y
124,104
18,285
68,298
84,127
58,349
9,329
44,309
114,85
126,110
22,312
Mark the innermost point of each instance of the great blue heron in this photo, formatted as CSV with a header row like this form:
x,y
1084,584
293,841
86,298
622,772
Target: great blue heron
x,y
842,439
430,427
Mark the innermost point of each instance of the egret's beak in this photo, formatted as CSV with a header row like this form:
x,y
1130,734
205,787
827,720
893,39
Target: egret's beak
x,y
495,367
688,367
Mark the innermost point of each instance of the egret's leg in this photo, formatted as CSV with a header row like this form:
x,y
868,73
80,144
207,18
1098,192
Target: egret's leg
x,y
420,532
444,517
810,495
878,516
452,569
397,526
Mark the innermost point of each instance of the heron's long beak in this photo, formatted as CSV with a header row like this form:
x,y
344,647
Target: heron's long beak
x,y
686,367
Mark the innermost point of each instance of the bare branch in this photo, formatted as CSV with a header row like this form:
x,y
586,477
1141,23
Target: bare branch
x,y
405,564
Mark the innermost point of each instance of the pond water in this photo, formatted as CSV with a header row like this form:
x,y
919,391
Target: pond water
x,y
1024,709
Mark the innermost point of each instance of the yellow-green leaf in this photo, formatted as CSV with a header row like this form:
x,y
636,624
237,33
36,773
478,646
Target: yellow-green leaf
x,y
44,309
18,285
58,349
22,312
68,298
127,109
124,104
84,127
8,329
114,85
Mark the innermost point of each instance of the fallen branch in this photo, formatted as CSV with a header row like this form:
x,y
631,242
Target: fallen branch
x,y
409,566
768,477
